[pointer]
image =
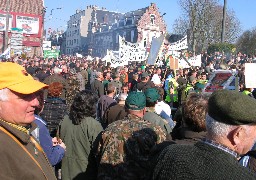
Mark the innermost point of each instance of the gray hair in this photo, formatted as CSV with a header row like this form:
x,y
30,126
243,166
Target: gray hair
x,y
122,97
217,129
4,94
57,70
97,74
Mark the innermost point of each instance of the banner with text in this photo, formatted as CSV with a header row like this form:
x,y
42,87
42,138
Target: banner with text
x,y
30,25
51,54
179,45
131,51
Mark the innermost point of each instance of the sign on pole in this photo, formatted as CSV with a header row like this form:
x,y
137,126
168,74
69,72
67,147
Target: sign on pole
x,y
154,49
16,41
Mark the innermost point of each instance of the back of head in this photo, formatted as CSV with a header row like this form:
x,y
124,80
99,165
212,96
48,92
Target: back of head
x,y
111,88
135,101
194,111
84,105
57,70
55,89
152,95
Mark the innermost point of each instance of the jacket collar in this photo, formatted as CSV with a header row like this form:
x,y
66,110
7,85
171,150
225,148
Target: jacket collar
x,y
22,136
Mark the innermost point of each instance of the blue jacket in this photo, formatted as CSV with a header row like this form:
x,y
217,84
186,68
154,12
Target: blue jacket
x,y
54,153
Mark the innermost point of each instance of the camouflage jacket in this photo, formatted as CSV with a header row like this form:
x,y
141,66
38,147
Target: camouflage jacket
x,y
125,148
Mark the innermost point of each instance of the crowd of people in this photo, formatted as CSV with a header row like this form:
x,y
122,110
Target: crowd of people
x,y
73,118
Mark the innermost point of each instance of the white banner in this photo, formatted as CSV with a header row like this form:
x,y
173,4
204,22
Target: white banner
x,y
154,49
30,25
131,51
194,61
3,22
179,45
6,53
250,75
47,45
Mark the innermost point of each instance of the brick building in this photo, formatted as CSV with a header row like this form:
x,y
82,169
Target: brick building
x,y
28,15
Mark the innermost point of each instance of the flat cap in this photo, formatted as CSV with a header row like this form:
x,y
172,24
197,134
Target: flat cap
x,y
232,107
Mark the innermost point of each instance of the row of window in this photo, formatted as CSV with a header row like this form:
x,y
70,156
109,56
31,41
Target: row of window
x,y
72,42
73,33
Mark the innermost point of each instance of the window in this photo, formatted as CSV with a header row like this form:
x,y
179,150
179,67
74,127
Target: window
x,y
132,35
152,19
117,37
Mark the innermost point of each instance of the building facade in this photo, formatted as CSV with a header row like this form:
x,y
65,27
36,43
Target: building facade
x,y
27,16
138,26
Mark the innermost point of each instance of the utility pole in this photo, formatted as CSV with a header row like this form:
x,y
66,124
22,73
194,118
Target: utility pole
x,y
6,37
223,22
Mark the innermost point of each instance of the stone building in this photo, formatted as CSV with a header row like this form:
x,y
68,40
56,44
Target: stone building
x,y
94,30
80,27
138,26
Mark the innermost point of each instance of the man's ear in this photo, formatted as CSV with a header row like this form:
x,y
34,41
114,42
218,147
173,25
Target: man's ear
x,y
236,136
144,110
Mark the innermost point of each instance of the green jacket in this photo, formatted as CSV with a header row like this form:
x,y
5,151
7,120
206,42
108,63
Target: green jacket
x,y
79,141
157,120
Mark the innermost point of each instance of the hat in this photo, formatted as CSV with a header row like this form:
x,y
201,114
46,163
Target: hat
x,y
145,74
16,78
135,100
232,107
152,94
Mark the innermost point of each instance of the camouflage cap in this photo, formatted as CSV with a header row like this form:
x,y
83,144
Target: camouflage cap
x,y
135,100
152,94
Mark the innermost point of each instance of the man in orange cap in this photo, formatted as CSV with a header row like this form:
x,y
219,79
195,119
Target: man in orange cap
x,y
21,155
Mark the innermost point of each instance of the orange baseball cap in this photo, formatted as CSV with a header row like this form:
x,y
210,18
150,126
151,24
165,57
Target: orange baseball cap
x,y
16,78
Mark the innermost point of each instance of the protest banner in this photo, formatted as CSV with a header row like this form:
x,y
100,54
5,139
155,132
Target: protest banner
x,y
221,79
155,48
51,54
47,45
174,63
250,75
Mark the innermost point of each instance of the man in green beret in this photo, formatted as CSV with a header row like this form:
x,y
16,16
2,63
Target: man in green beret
x,y
126,144
152,96
231,132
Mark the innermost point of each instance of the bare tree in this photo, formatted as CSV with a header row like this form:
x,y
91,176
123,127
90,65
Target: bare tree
x,y
202,21
246,43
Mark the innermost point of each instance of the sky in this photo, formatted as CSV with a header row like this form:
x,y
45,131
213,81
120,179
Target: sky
x,y
58,12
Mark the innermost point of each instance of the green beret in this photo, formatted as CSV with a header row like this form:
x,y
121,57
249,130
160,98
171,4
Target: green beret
x,y
152,94
135,100
232,107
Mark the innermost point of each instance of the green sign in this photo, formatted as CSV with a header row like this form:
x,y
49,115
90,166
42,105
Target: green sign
x,y
51,53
